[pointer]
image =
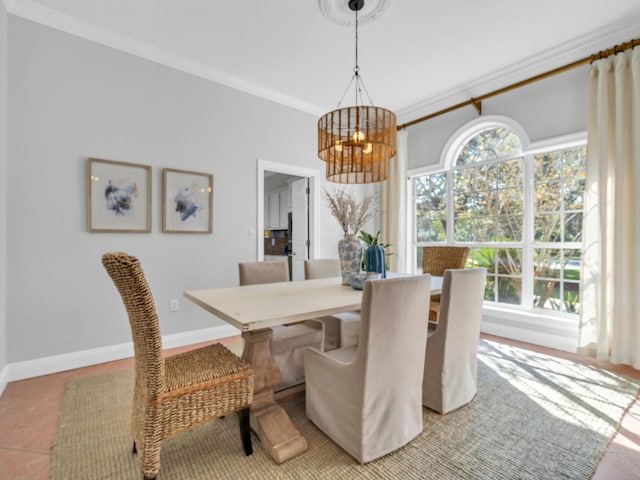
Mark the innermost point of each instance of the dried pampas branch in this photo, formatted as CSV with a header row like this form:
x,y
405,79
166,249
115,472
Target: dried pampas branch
x,y
350,213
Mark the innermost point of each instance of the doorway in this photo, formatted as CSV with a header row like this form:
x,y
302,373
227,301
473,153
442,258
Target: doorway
x,y
299,186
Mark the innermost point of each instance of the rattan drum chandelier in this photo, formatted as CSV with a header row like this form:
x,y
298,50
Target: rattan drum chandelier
x,y
357,142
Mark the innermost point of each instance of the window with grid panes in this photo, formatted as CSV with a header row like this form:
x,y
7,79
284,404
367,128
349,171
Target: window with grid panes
x,y
485,195
559,178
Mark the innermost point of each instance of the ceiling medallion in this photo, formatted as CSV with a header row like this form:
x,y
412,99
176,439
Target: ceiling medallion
x,y
338,11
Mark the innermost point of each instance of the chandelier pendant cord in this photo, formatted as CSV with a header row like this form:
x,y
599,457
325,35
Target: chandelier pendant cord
x,y
359,83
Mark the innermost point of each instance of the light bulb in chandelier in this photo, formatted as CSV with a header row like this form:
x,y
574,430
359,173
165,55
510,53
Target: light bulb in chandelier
x,y
338,145
368,148
358,136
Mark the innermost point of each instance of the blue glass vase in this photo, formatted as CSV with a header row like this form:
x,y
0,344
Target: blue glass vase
x,y
375,260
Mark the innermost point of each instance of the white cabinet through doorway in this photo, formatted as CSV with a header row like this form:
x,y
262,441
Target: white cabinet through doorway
x,y
284,208
276,210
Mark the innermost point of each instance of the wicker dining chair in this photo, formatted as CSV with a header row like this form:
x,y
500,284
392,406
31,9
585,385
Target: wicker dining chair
x,y
178,392
437,259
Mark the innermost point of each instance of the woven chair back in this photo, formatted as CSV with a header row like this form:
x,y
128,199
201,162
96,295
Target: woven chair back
x,y
435,260
128,277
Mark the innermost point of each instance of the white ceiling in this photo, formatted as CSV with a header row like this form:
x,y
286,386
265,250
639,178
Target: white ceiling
x,y
420,55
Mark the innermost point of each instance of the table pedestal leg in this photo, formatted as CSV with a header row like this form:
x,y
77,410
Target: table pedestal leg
x,y
278,435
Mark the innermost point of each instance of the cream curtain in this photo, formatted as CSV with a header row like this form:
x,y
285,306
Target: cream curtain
x,y
610,314
393,215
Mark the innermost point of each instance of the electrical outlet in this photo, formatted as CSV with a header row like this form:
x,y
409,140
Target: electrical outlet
x,y
173,305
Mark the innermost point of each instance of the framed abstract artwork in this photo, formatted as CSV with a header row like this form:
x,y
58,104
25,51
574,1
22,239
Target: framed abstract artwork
x,y
119,198
187,205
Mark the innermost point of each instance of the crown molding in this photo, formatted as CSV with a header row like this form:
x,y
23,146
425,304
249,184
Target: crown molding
x,y
553,58
35,12
556,57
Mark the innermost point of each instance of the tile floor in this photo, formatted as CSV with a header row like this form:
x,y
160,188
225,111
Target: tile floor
x,y
29,413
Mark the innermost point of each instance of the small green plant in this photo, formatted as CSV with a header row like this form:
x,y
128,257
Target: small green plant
x,y
370,240
571,301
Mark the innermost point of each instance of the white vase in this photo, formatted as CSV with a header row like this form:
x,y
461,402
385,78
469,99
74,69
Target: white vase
x,y
350,253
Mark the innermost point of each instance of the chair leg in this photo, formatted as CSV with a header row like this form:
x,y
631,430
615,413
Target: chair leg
x,y
134,451
150,458
245,431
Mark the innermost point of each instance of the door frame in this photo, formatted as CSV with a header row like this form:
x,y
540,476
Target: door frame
x,y
314,198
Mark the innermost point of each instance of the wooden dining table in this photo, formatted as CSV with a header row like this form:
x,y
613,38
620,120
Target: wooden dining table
x,y
254,310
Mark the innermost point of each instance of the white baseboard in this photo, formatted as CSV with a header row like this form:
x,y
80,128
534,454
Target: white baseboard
x,y
557,333
84,358
4,378
562,337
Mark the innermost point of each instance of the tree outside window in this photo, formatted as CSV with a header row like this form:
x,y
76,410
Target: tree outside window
x,y
559,179
490,205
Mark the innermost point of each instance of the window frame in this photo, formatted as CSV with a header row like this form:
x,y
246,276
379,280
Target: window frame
x,y
447,165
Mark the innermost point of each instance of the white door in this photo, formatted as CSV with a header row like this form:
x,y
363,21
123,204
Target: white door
x,y
299,228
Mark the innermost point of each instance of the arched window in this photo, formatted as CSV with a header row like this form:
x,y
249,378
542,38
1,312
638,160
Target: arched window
x,y
489,144
519,208
487,190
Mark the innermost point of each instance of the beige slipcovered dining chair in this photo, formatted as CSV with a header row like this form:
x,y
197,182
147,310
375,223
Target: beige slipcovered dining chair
x,y
254,273
289,341
368,398
321,268
437,259
178,392
451,360
336,324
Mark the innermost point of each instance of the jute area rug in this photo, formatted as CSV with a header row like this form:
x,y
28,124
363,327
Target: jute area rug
x,y
534,417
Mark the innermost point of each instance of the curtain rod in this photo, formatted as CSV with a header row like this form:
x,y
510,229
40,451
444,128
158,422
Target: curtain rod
x,y
476,102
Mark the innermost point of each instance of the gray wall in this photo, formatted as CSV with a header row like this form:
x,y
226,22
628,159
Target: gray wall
x,y
67,99
70,99
3,186
548,108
